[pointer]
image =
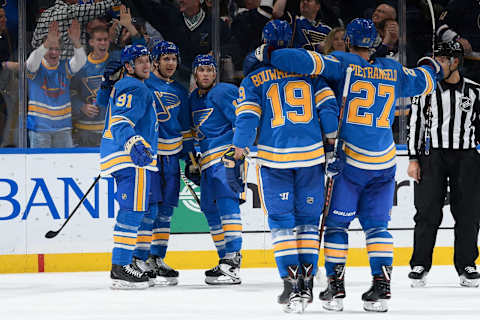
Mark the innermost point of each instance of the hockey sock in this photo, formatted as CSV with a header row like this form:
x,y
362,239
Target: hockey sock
x,y
216,231
144,236
307,245
285,250
231,224
379,247
336,245
125,235
161,230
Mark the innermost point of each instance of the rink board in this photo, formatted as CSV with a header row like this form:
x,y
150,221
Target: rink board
x,y
38,189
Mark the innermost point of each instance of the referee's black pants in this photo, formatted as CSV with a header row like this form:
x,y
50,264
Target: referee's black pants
x,y
462,168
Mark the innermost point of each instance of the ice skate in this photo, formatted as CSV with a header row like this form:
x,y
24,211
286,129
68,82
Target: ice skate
x,y
128,277
145,268
470,277
306,285
332,297
227,272
165,275
418,275
376,298
291,298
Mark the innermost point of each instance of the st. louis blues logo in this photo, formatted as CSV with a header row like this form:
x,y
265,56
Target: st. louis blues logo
x,y
166,101
199,117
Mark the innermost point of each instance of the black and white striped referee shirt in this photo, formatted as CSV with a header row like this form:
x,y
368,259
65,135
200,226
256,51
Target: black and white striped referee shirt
x,y
455,115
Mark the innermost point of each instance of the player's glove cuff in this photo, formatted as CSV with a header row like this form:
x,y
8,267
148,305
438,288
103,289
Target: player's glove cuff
x,y
130,142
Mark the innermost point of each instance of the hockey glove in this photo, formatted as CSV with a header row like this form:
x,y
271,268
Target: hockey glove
x,y
138,151
432,63
336,163
192,172
111,74
233,171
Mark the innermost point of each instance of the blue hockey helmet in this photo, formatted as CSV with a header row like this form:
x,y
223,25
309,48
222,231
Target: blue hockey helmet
x,y
164,47
204,60
361,33
131,52
277,33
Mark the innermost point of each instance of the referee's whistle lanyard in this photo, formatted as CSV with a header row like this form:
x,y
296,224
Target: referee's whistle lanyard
x,y
429,115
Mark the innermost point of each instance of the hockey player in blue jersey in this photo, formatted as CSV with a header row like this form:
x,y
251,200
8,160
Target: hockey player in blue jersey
x,y
213,115
365,188
129,140
286,114
175,141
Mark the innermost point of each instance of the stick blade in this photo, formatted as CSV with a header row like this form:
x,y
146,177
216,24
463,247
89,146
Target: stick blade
x,y
51,234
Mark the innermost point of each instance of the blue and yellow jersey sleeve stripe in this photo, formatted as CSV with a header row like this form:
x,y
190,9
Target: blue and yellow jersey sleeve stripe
x,y
249,107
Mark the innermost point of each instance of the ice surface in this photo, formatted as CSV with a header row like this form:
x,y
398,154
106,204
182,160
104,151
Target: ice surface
x,y
65,296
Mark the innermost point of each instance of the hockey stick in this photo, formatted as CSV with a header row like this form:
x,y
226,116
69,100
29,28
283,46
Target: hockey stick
x,y
330,181
429,113
189,187
52,234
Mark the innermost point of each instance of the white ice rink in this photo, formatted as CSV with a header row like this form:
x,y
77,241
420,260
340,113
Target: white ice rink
x,y
65,296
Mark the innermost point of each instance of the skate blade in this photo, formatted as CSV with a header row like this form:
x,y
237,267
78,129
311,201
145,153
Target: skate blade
x,y
380,305
164,281
222,280
125,285
294,306
333,305
306,300
469,283
420,283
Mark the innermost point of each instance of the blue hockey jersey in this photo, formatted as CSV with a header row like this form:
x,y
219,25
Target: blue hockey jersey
x,y
289,111
131,111
49,107
309,35
84,88
171,100
369,110
213,117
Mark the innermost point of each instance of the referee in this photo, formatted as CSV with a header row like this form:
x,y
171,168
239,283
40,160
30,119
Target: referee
x,y
453,111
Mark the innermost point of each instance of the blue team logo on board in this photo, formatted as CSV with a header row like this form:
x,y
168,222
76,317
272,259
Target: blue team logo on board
x,y
166,101
199,117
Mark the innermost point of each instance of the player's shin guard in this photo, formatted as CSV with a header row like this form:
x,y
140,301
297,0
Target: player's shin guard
x,y
125,235
285,250
335,247
232,228
161,231
307,245
379,248
144,236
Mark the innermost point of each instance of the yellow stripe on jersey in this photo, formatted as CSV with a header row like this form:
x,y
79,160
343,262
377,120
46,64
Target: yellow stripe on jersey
x,y
89,127
323,95
50,112
429,80
260,190
187,135
374,159
116,119
290,244
318,62
169,146
248,108
288,157
146,239
211,159
161,236
335,252
115,161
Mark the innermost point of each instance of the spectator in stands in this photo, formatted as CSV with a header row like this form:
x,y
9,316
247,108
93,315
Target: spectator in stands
x,y
384,11
8,83
49,119
335,41
388,30
247,28
63,12
89,119
461,22
329,14
189,26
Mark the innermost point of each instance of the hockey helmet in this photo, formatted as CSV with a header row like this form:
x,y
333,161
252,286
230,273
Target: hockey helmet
x,y
361,33
449,49
277,33
164,47
204,60
131,52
